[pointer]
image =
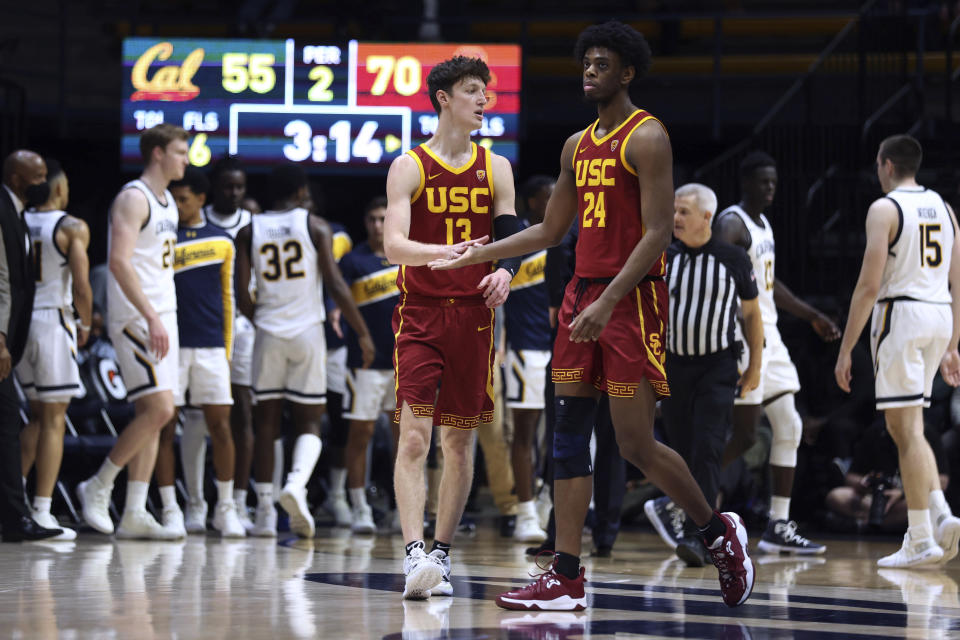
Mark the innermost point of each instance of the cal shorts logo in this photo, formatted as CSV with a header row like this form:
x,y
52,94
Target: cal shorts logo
x,y
614,144
481,174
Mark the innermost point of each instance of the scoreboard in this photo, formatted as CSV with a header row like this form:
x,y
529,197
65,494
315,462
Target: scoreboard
x,y
335,108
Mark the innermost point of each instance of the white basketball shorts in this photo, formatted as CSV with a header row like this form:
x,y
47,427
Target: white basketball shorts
x,y
48,371
292,368
908,340
142,372
526,375
241,362
204,377
370,392
337,370
778,375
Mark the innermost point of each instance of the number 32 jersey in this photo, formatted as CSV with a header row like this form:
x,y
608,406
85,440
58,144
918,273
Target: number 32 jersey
x,y
451,205
608,196
289,286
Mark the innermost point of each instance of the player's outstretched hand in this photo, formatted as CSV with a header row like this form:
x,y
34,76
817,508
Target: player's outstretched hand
x,y
826,328
842,371
159,340
458,255
950,368
6,360
367,350
589,323
496,287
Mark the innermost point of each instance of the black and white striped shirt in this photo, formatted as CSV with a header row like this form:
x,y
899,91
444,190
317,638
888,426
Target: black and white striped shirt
x,y
706,284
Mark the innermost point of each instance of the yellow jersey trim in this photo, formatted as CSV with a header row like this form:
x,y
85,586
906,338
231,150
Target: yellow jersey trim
x,y
487,160
423,176
375,286
626,141
610,134
342,245
576,149
458,170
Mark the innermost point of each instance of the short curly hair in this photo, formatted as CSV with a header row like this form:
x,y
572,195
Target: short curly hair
x,y
450,72
756,160
629,44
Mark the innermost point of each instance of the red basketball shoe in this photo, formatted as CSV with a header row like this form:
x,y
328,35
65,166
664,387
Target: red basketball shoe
x,y
550,591
729,553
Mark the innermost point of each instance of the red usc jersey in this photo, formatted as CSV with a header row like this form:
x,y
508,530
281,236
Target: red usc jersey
x,y
451,205
609,201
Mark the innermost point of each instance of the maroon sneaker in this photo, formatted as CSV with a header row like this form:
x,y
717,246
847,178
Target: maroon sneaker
x,y
550,591
729,553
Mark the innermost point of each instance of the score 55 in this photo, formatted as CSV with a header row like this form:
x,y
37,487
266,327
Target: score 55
x,y
254,71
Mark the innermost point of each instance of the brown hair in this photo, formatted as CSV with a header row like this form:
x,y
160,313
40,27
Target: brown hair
x,y
160,136
904,152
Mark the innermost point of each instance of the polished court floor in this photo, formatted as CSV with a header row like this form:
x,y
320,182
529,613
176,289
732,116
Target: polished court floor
x,y
339,586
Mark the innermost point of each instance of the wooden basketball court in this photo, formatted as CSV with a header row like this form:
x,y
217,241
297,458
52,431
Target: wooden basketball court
x,y
342,587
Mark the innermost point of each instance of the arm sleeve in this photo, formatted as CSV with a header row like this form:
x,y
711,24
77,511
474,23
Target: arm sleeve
x,y
5,297
561,261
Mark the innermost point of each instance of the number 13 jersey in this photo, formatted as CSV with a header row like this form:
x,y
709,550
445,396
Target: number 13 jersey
x,y
289,286
762,254
608,197
451,205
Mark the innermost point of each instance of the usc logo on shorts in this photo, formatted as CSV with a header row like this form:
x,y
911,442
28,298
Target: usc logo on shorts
x,y
655,345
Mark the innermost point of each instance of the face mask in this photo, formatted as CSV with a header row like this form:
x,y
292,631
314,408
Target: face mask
x,y
37,194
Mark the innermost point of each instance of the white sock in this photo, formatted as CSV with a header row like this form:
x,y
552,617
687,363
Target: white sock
x,y
779,508
338,481
240,498
224,491
136,496
527,508
306,452
358,496
42,505
193,452
264,494
168,496
918,524
108,472
278,466
938,505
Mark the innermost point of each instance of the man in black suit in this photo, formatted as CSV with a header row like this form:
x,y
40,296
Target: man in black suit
x,y
24,181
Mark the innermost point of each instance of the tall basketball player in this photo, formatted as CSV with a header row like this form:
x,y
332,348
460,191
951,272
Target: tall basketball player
x,y
910,282
443,196
142,312
292,257
616,180
228,193
48,371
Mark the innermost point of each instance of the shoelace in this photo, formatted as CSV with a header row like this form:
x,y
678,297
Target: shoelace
x,y
545,571
789,533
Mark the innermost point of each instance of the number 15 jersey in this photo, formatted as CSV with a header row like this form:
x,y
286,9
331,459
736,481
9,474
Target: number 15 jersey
x,y
289,286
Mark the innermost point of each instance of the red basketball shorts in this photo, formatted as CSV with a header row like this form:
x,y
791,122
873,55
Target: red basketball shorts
x,y
444,343
630,348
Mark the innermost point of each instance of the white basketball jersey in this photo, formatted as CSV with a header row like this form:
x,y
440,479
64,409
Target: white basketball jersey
x,y
289,286
762,255
918,265
152,259
54,281
231,223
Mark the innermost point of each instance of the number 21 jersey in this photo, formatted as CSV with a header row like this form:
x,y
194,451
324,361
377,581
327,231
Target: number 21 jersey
x,y
289,287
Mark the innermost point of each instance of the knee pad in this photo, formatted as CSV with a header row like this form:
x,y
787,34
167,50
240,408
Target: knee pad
x,y
787,429
571,437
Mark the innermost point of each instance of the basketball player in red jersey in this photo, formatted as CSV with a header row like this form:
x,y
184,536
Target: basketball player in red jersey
x,y
444,196
616,179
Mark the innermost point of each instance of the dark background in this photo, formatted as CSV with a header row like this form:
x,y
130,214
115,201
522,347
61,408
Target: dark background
x,y
817,84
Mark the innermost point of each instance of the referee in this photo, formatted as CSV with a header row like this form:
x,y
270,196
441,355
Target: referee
x,y
707,279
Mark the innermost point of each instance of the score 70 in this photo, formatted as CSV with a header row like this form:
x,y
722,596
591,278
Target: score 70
x,y
307,145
